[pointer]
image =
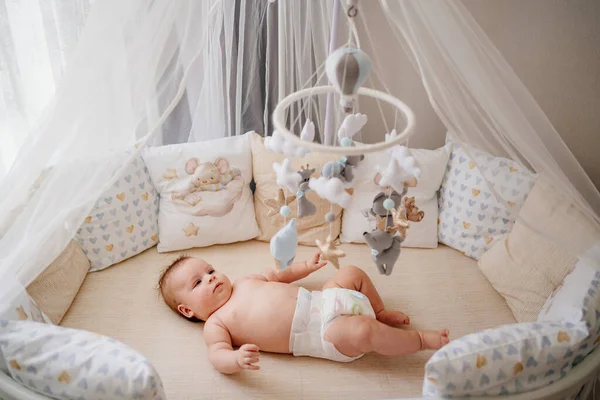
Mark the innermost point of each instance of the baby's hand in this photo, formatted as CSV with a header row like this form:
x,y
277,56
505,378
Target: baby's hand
x,y
314,263
247,355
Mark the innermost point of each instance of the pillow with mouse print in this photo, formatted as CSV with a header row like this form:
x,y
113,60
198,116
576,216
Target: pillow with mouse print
x,y
205,195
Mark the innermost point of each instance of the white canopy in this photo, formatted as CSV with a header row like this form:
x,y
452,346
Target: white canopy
x,y
157,72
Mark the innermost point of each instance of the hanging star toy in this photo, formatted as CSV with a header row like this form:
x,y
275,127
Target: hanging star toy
x,y
279,201
330,252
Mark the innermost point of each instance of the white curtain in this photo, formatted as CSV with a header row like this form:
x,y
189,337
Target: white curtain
x,y
306,28
480,99
136,63
139,65
36,39
471,87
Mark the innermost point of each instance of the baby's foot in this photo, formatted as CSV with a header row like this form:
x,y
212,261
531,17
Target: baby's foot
x,y
393,318
433,340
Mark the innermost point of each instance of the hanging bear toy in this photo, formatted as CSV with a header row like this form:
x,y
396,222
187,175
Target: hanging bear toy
x,y
385,248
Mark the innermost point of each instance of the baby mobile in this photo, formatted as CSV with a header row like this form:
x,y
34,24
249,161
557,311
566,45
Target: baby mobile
x,y
347,68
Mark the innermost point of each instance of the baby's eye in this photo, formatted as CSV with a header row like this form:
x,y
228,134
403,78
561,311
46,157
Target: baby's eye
x,y
212,271
197,282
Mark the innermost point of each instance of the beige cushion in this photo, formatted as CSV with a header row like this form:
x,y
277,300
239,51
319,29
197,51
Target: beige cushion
x,y
524,266
56,287
309,228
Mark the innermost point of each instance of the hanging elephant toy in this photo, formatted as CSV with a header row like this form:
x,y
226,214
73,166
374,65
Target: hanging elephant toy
x,y
385,248
342,169
348,165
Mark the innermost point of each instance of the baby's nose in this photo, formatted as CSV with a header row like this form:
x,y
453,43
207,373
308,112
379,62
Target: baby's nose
x,y
211,278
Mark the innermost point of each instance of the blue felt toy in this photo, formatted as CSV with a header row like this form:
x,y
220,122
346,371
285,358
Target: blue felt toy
x,y
283,245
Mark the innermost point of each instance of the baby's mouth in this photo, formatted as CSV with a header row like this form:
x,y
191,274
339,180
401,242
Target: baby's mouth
x,y
218,285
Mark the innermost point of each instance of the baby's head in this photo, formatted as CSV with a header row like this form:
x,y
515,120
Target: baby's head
x,y
192,288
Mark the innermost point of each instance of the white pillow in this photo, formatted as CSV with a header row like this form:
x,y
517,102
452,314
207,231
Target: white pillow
x,y
212,213
520,357
510,359
479,199
420,234
22,308
123,222
578,296
67,363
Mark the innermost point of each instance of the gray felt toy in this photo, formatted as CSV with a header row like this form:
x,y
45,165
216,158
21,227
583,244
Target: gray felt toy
x,y
377,208
305,206
331,169
342,169
349,164
385,248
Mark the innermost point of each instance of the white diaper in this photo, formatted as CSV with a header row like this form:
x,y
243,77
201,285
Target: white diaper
x,y
314,314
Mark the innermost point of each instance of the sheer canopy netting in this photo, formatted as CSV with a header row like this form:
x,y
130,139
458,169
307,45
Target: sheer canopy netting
x,y
140,65
470,86
305,31
136,62
480,99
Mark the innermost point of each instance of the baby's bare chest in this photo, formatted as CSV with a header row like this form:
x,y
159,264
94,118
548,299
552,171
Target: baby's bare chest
x,y
258,310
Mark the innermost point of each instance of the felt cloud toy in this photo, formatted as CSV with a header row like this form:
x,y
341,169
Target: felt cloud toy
x,y
278,144
331,189
286,177
406,162
351,124
283,245
391,176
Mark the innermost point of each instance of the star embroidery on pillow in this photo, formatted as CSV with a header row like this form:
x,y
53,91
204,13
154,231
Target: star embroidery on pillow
x,y
191,230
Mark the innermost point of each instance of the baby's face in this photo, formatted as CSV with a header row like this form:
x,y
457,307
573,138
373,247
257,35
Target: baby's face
x,y
199,289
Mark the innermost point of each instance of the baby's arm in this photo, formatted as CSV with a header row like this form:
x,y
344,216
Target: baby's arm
x,y
221,353
296,271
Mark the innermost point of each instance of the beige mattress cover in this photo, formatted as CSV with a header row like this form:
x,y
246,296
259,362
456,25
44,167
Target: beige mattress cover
x,y
437,288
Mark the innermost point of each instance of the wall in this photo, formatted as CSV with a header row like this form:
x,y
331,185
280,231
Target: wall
x,y
553,47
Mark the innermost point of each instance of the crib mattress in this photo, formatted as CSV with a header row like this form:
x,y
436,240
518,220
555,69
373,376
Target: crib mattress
x,y
437,288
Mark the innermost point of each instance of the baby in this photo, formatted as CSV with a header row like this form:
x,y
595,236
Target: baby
x,y
266,312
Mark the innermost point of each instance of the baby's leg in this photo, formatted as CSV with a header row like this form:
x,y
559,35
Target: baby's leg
x,y
353,335
356,279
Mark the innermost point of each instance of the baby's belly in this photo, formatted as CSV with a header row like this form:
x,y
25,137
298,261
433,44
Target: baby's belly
x,y
263,315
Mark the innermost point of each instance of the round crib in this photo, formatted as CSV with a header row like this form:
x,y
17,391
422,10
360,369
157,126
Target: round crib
x,y
581,378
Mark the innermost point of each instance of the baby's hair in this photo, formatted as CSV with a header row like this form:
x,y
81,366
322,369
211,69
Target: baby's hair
x,y
162,281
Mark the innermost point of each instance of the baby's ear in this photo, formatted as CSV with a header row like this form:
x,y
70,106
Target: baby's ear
x,y
186,312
